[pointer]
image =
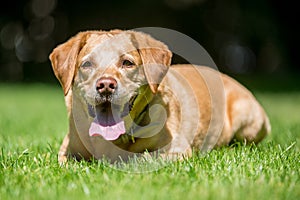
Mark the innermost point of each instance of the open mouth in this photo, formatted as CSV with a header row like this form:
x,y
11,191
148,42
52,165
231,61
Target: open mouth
x,y
108,121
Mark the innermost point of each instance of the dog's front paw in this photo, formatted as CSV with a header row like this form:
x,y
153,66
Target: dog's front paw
x,y
62,158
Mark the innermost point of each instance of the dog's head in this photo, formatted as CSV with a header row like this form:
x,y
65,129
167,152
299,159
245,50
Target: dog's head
x,y
108,71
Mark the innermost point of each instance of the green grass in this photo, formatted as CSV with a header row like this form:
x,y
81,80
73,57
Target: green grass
x,y
33,122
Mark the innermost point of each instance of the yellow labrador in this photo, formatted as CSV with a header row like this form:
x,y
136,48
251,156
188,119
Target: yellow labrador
x,y
124,98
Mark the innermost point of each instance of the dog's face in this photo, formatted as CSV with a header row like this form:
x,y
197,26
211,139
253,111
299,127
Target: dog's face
x,y
106,71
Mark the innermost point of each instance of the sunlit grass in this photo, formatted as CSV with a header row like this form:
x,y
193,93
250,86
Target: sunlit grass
x,y
33,122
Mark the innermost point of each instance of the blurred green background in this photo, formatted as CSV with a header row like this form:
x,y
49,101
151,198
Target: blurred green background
x,y
255,41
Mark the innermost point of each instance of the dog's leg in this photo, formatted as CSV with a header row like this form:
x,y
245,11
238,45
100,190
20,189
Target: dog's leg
x,y
253,132
249,121
63,151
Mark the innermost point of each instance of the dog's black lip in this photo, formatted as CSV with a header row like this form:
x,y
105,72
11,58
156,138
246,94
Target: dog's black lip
x,y
105,104
91,110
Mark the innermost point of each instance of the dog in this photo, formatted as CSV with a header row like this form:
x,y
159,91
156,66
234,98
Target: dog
x,y
124,97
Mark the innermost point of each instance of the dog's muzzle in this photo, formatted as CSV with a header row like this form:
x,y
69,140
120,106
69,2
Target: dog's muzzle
x,y
108,119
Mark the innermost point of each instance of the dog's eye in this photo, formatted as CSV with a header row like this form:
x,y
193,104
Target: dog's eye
x,y
127,64
86,64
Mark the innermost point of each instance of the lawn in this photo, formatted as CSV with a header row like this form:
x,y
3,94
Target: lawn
x,y
33,122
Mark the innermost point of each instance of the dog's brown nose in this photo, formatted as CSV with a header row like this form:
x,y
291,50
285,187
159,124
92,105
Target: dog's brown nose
x,y
106,85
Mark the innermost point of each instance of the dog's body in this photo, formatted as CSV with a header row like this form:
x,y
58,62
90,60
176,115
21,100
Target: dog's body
x,y
123,98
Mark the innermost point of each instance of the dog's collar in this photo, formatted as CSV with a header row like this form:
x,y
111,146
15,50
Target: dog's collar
x,y
136,114
142,100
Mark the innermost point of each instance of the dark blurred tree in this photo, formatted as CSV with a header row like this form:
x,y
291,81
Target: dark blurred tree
x,y
242,36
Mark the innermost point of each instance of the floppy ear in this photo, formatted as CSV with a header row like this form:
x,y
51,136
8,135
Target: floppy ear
x,y
156,63
156,58
63,59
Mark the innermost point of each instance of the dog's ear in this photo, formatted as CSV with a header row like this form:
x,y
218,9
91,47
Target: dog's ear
x,y
156,62
156,58
63,59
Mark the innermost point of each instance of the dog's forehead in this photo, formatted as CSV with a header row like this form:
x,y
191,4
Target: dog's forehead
x,y
109,48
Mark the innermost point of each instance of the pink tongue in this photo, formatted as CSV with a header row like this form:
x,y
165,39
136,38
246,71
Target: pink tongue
x,y
112,132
